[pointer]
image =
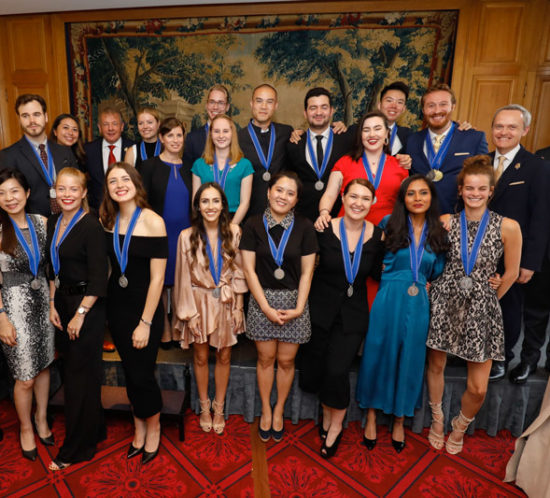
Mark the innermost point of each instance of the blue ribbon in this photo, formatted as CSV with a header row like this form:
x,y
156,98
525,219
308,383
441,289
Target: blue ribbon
x,y
49,172
381,162
278,252
261,156
351,267
393,134
215,267
216,172
54,247
144,152
32,253
469,259
434,159
416,251
320,171
122,256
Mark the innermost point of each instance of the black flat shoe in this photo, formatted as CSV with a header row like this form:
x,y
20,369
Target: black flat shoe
x,y
277,436
369,443
30,454
133,451
46,441
329,451
265,435
148,456
398,446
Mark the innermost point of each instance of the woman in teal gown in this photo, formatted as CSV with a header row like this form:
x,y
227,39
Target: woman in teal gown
x,y
392,367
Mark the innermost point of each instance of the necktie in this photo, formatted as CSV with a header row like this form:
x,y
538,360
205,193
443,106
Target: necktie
x,y
112,158
54,207
500,167
319,150
438,139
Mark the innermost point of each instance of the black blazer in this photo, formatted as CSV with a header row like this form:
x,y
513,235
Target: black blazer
x,y
21,157
522,194
155,175
194,146
403,133
544,153
94,168
308,204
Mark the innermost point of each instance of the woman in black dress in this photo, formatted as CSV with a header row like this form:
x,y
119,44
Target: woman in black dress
x,y
278,250
351,249
138,248
78,281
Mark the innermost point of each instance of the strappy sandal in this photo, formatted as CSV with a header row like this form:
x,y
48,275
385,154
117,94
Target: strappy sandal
x,y
205,424
218,410
454,447
437,440
56,465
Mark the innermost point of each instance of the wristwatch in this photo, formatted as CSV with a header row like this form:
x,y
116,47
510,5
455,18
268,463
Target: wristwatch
x,y
82,310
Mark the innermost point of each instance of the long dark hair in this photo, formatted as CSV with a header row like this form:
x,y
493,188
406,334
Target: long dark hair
x,y
397,232
78,146
356,152
110,208
198,232
9,239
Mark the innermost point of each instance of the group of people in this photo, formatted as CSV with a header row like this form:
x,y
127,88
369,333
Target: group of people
x,y
299,224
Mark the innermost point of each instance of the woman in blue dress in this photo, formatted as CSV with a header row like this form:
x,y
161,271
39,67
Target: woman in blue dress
x,y
392,367
223,162
168,186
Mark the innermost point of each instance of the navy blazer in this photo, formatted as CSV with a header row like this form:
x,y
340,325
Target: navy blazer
x,y
194,146
544,153
522,194
155,175
308,204
463,145
403,133
96,172
20,156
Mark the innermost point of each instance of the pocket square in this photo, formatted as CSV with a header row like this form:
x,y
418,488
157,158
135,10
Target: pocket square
x,y
517,183
462,153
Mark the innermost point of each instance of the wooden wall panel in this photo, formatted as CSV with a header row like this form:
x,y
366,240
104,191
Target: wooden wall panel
x,y
541,119
27,44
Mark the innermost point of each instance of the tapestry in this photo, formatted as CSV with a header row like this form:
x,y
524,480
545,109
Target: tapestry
x,y
170,63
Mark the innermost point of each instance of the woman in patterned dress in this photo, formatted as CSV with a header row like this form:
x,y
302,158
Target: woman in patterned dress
x,y
466,319
25,330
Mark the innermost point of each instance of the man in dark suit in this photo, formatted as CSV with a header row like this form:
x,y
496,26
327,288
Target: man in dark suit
x,y
109,148
217,102
520,194
392,103
439,150
38,158
326,146
263,143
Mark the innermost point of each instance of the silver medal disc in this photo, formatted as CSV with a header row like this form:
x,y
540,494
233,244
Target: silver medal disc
x,y
216,292
52,193
412,290
319,185
35,284
466,283
266,176
349,292
279,274
123,281
56,282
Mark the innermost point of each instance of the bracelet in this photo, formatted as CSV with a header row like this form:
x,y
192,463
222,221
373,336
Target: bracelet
x,y
87,308
2,310
52,299
146,322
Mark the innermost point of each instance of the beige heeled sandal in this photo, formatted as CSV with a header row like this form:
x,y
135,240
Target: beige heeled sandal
x,y
205,423
455,447
437,440
218,410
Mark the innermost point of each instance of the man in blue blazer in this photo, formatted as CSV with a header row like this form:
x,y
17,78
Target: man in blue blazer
x,y
109,147
217,102
439,150
38,158
521,193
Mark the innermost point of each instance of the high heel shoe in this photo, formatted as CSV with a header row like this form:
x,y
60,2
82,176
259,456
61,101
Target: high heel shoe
x,y
398,446
30,454
46,441
322,432
329,451
369,443
437,440
148,456
206,425
453,447
133,451
218,410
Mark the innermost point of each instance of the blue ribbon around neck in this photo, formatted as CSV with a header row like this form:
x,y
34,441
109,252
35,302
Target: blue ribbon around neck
x,y
33,251
320,171
215,266
278,252
434,159
469,259
416,251
393,134
220,179
54,246
49,172
144,152
375,180
351,267
122,255
265,162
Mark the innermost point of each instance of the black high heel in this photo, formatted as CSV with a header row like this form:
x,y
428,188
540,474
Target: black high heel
x,y
398,446
322,432
148,456
133,451
46,441
369,443
30,454
329,451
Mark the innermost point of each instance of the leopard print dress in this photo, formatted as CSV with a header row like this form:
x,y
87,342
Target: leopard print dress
x,y
468,323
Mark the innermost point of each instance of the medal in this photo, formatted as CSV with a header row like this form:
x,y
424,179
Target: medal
x,y
35,284
143,151
220,178
52,193
265,162
434,159
319,170
278,252
351,268
56,282
469,258
279,274
122,255
416,252
434,175
375,180
215,266
54,246
32,251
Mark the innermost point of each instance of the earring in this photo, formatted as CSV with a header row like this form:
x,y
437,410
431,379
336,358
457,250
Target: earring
x,y
386,141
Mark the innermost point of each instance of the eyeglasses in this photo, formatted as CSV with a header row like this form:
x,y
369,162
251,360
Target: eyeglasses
x,y
216,103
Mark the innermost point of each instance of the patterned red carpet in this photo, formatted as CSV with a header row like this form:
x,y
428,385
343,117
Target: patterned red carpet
x,y
211,465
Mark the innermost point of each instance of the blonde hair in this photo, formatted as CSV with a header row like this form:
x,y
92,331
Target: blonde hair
x,y
235,152
148,110
81,177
